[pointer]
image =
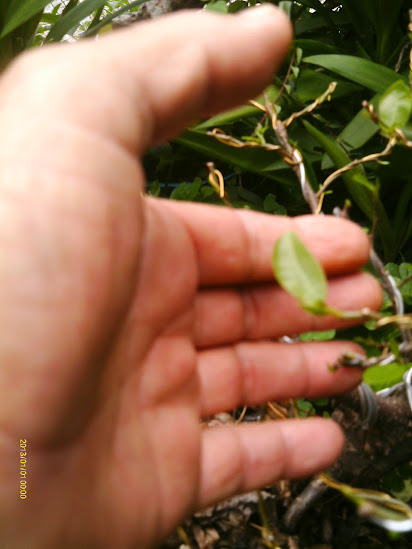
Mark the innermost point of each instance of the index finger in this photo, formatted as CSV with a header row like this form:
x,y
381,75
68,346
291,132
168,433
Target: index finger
x,y
235,246
157,76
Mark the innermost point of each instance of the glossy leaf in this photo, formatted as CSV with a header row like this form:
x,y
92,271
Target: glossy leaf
x,y
312,84
254,160
380,377
356,133
218,6
362,71
360,129
299,273
395,106
69,22
324,335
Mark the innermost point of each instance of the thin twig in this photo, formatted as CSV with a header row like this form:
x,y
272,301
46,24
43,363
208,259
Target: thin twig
x,y
325,96
285,80
369,158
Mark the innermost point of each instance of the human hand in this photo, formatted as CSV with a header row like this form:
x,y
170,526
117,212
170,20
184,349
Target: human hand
x,y
126,319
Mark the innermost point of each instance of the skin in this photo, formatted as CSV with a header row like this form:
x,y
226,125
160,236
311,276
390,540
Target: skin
x,y
125,319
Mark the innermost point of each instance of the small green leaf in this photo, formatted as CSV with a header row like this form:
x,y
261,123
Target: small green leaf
x,y
154,189
187,191
270,203
299,273
305,407
220,6
395,106
325,335
379,377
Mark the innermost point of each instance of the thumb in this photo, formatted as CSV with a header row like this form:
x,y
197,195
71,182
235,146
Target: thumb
x,y
147,82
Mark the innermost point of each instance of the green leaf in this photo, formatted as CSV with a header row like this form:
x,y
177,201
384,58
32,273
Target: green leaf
x,y
249,196
405,493
314,47
238,113
154,189
19,12
405,273
362,71
254,160
362,192
49,18
393,269
299,273
219,6
360,129
94,28
325,335
311,84
380,377
286,7
359,187
305,407
187,191
207,192
270,203
395,106
69,22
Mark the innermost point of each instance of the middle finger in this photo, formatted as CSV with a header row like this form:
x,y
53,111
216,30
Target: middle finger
x,y
225,316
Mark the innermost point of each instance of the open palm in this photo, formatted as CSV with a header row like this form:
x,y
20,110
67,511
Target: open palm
x,y
126,319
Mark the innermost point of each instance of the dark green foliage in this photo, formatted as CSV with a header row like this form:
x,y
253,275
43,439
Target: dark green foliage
x,y
364,47
26,23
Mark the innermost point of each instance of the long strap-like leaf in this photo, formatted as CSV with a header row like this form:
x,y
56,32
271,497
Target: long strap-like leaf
x,y
18,12
70,22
